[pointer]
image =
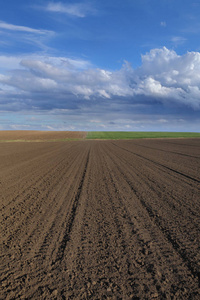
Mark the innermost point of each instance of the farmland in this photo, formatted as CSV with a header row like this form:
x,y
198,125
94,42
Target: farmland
x,y
40,136
118,135
90,219
52,136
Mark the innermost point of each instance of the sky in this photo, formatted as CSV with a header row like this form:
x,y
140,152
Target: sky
x,y
131,65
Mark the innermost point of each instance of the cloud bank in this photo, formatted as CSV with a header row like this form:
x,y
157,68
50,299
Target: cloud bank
x,y
163,76
165,84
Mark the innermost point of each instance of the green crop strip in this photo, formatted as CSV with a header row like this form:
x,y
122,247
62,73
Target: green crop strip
x,y
118,135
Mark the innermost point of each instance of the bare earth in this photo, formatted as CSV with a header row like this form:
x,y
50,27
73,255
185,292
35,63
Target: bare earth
x,y
29,135
100,220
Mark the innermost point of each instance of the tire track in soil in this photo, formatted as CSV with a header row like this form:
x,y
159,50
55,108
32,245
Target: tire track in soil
x,y
62,208
105,239
72,215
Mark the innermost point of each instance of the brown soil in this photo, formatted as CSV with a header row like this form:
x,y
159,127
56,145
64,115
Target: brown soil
x,y
100,220
30,135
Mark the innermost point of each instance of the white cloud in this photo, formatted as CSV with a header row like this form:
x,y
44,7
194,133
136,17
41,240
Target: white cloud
x,y
9,62
164,77
12,34
150,86
80,10
19,127
178,40
12,27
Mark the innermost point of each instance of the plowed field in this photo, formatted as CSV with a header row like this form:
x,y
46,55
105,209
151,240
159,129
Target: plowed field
x,y
100,220
31,135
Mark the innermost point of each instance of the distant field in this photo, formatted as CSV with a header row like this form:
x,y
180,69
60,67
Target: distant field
x,y
58,136
119,135
38,136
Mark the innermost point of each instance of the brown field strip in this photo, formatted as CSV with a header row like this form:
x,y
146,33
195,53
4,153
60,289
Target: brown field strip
x,y
31,135
100,220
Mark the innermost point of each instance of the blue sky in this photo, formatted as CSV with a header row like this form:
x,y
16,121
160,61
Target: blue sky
x,y
100,65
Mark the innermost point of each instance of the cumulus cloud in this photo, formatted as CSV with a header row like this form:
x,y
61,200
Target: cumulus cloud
x,y
80,10
164,78
171,76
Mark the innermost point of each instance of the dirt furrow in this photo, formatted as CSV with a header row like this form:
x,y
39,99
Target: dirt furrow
x,y
26,175
161,165
181,245
57,200
153,177
166,151
31,196
26,250
71,217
